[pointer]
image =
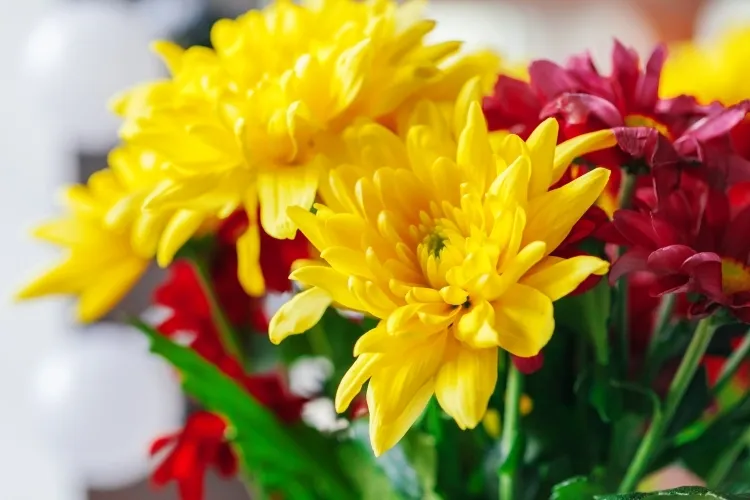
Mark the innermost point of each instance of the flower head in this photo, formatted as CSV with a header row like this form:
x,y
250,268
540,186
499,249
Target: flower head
x,y
254,123
449,247
713,72
101,264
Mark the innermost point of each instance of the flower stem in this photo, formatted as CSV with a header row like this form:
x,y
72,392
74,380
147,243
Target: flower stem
x,y
732,364
627,189
227,335
724,464
663,316
511,433
685,373
626,194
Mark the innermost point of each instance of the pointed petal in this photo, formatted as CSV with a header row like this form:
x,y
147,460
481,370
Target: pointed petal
x,y
298,315
180,228
542,143
465,383
524,320
384,434
354,378
280,188
561,278
548,222
578,146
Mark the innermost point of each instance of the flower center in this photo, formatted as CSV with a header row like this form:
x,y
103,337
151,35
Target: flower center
x,y
636,120
735,277
435,244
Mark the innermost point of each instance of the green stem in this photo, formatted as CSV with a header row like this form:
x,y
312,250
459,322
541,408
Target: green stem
x,y
685,373
227,335
511,433
627,191
663,316
732,364
724,464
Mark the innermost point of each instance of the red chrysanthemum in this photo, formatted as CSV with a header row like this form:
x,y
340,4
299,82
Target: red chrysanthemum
x,y
199,446
689,236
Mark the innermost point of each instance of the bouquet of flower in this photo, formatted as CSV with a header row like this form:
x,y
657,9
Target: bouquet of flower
x,y
542,280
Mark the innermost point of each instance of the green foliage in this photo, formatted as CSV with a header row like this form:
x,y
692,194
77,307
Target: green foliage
x,y
684,493
577,488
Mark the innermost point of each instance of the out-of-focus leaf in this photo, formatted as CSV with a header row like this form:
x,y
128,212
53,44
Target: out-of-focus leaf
x,y
576,488
601,390
588,314
684,493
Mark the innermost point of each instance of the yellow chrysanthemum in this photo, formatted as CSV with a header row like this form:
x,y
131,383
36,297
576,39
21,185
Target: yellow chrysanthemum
x,y
716,72
101,266
448,243
255,122
109,238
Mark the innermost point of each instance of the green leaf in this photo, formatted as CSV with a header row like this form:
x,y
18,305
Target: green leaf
x,y
684,493
266,448
601,390
588,314
576,488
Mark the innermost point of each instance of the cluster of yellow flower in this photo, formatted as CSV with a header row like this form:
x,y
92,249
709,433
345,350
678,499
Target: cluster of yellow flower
x,y
424,220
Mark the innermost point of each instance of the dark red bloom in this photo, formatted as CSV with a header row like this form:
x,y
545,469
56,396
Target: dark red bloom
x,y
584,100
200,445
690,237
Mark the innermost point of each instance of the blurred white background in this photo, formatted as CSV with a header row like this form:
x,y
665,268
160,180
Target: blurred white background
x,y
37,154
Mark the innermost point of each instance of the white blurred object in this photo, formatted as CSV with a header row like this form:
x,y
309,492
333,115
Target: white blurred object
x,y
321,415
718,15
273,301
79,56
308,375
101,400
499,26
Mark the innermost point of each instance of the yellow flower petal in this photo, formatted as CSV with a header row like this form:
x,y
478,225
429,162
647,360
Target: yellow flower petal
x,y
573,199
524,320
578,146
177,232
108,290
465,383
384,434
354,378
561,278
541,143
299,314
333,281
281,188
474,154
248,265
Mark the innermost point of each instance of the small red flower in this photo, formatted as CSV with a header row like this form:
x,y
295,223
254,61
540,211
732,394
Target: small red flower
x,y
200,445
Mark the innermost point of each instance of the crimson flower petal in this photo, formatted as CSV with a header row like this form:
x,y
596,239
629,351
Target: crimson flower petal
x,y
669,259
